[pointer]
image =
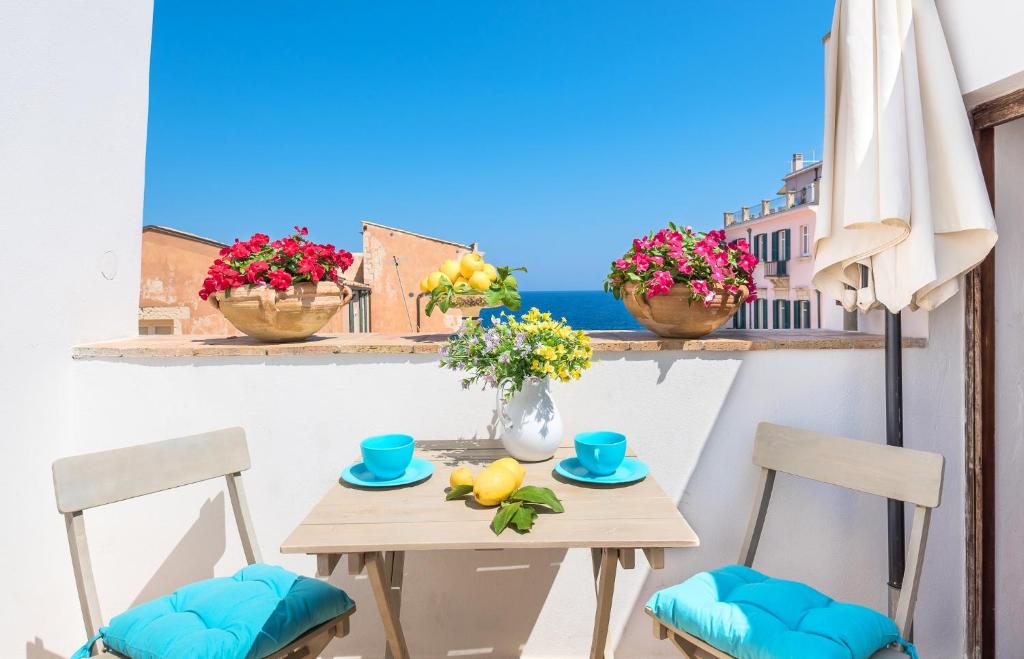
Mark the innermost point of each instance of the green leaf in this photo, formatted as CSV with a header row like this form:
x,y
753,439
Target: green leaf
x,y
430,305
492,296
523,520
504,516
458,492
513,300
538,495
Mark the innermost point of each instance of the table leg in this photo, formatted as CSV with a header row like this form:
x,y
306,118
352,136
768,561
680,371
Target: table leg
x,y
394,567
381,583
605,582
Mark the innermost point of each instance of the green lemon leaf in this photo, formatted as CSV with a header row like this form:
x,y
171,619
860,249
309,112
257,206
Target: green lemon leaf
x,y
504,515
492,296
513,300
523,520
458,492
538,495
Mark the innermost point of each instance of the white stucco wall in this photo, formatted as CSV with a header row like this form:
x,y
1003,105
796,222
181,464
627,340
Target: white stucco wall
x,y
984,42
1009,443
691,416
73,100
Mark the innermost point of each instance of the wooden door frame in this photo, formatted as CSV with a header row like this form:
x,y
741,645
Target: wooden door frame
x,y
979,375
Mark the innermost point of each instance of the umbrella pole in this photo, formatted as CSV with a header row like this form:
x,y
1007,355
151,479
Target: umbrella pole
x,y
894,437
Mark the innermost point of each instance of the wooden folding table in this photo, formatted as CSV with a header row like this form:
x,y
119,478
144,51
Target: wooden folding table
x,y
375,528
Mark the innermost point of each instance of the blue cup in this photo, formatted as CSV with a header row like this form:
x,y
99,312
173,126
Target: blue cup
x,y
387,456
600,452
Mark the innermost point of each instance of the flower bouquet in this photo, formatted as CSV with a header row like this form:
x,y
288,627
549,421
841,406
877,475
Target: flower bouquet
x,y
680,283
519,357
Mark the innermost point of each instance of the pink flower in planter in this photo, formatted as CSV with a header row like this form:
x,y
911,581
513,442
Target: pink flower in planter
x,y
621,264
661,283
641,261
747,262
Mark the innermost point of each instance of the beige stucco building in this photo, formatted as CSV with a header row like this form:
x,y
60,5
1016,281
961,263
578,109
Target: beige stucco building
x,y
384,277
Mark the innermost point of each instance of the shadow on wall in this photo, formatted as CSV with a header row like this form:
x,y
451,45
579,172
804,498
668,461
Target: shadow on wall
x,y
497,595
192,559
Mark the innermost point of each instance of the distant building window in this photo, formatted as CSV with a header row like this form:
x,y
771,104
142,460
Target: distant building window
x,y
781,314
162,327
805,240
739,319
761,247
802,314
760,311
780,245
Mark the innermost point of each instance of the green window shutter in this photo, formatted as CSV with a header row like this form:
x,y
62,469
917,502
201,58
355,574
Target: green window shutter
x,y
786,308
764,314
774,256
775,314
788,243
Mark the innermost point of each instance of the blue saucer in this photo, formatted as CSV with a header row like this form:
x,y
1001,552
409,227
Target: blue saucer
x,y
629,471
358,474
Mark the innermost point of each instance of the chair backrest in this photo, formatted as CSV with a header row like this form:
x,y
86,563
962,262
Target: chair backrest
x,y
895,473
96,479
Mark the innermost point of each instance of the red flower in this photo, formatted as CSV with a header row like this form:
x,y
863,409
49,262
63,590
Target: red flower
x,y
280,280
290,246
254,273
301,231
240,250
310,266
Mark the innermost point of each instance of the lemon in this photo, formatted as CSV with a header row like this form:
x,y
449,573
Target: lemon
x,y
480,281
493,485
513,466
492,272
459,280
471,263
450,268
461,476
433,280
510,282
424,287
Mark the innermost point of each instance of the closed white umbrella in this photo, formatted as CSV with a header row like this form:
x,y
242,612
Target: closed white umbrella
x,y
901,188
902,197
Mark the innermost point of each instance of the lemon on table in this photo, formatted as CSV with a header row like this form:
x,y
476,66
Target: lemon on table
x,y
461,476
513,467
510,282
460,280
434,279
424,287
493,485
471,262
492,272
450,268
479,281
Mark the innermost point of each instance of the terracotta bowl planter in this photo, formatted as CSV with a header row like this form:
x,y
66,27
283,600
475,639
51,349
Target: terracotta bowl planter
x,y
470,304
276,316
673,315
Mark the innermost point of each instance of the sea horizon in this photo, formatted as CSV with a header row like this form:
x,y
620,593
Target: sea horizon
x,y
583,309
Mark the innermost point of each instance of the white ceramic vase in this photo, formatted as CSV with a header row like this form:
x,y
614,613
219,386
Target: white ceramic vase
x,y
531,427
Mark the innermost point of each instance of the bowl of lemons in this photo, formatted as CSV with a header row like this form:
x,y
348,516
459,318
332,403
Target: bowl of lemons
x,y
471,284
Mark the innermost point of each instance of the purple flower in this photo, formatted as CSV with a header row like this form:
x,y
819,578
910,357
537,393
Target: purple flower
x,y
504,358
520,340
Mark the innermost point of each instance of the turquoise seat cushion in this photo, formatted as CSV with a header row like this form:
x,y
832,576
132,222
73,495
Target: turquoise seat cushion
x,y
259,610
751,616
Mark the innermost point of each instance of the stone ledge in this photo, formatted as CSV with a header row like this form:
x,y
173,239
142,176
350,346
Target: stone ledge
x,y
347,344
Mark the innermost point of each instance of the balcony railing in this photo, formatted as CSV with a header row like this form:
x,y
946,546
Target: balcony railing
x,y
776,269
792,199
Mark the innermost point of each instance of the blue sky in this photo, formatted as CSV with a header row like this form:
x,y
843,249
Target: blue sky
x,y
551,132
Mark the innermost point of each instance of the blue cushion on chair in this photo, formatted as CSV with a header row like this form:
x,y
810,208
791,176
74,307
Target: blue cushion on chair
x,y
259,610
752,616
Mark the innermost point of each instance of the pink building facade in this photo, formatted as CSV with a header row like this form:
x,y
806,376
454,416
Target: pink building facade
x,y
780,231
